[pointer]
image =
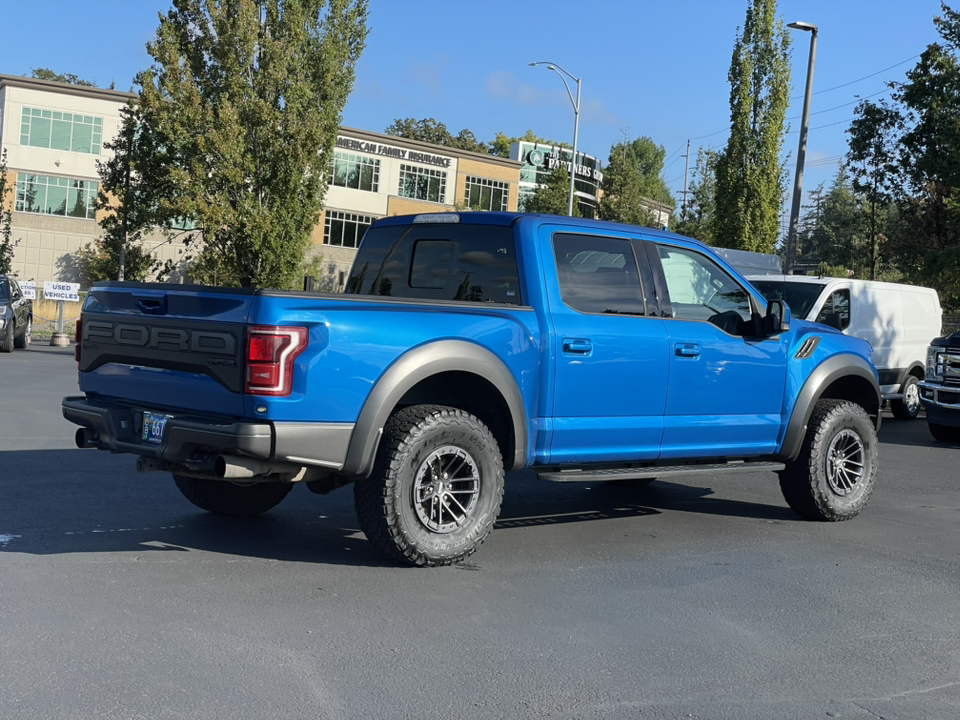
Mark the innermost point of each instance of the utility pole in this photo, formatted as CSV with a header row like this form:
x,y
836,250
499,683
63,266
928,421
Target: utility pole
x,y
686,169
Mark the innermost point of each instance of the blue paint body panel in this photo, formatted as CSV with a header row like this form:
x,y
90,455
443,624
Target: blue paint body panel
x,y
595,387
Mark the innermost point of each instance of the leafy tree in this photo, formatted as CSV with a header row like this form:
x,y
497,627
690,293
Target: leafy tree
x,y
68,78
632,183
696,219
6,219
553,196
751,177
500,146
244,101
435,132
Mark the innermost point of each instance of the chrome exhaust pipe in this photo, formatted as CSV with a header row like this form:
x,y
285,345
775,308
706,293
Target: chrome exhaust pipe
x,y
235,467
86,438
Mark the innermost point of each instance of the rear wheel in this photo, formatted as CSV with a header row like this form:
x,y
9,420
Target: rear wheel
x,y
6,344
944,433
837,467
223,497
436,487
909,407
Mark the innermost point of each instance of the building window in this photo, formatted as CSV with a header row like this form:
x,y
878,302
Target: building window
x,y
487,194
56,196
355,171
423,183
345,229
61,131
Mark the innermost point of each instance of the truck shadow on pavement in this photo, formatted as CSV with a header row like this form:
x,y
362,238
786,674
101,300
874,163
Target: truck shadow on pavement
x,y
85,501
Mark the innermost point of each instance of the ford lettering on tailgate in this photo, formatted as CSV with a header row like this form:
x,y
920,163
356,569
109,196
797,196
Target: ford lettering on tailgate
x,y
205,348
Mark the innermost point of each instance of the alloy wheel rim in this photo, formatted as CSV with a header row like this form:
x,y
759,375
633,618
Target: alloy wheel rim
x,y
911,398
446,490
846,457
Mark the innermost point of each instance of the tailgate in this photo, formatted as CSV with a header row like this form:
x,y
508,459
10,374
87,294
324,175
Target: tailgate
x,y
165,346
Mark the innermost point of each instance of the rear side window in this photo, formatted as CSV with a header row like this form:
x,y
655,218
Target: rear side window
x,y
598,274
471,263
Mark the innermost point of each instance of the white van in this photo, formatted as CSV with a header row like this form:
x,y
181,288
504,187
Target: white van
x,y
899,321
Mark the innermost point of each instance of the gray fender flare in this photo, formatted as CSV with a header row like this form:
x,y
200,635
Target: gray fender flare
x,y
417,365
830,370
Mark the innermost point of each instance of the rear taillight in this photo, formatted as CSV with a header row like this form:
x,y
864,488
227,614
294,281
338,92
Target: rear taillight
x,y
77,335
270,355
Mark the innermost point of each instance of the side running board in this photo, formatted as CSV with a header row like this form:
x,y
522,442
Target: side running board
x,y
602,475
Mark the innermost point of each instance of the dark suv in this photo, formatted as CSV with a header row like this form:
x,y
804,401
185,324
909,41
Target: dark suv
x,y
16,315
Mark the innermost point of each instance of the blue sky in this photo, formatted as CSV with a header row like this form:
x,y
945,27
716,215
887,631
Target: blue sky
x,y
649,68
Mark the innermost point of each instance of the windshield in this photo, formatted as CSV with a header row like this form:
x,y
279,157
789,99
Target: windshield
x,y
4,289
799,296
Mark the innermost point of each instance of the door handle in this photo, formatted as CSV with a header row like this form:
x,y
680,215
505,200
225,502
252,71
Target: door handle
x,y
687,350
577,346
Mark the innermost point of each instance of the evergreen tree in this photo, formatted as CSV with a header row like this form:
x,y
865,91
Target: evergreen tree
x,y
244,100
751,176
696,219
6,219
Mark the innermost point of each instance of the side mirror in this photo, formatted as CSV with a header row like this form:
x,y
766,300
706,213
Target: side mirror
x,y
777,319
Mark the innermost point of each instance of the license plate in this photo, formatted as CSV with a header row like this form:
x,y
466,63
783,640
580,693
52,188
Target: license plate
x,y
153,425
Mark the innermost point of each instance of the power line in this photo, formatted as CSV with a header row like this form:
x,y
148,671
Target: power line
x,y
865,77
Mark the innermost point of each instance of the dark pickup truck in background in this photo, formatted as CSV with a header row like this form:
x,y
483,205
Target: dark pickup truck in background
x,y
16,315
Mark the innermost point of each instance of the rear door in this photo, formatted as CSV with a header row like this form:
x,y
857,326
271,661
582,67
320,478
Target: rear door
x,y
726,389
609,349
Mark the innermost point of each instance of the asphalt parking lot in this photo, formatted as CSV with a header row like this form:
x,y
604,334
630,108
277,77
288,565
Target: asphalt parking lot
x,y
706,599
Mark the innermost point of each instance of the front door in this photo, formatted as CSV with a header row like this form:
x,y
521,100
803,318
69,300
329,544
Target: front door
x,y
726,390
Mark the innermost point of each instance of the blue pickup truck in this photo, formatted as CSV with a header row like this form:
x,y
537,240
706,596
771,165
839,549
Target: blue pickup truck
x,y
468,345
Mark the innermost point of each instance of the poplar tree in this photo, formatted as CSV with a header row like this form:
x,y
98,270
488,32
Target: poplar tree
x,y
751,177
245,99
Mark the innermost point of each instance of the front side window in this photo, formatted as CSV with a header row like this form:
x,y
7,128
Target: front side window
x,y
700,289
56,196
422,183
345,229
598,274
72,132
484,194
355,171
836,310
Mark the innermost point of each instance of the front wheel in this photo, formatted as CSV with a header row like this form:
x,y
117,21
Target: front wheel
x,y
23,339
222,497
436,487
837,467
6,344
909,407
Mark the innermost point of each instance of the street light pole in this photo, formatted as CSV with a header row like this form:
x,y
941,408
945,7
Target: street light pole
x,y
791,249
576,121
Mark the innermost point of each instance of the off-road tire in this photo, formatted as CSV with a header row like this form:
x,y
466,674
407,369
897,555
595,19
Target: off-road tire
x,y
6,345
396,504
223,497
909,407
23,339
819,487
944,433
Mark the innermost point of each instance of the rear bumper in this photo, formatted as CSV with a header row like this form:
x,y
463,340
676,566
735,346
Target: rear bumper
x,y
186,438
